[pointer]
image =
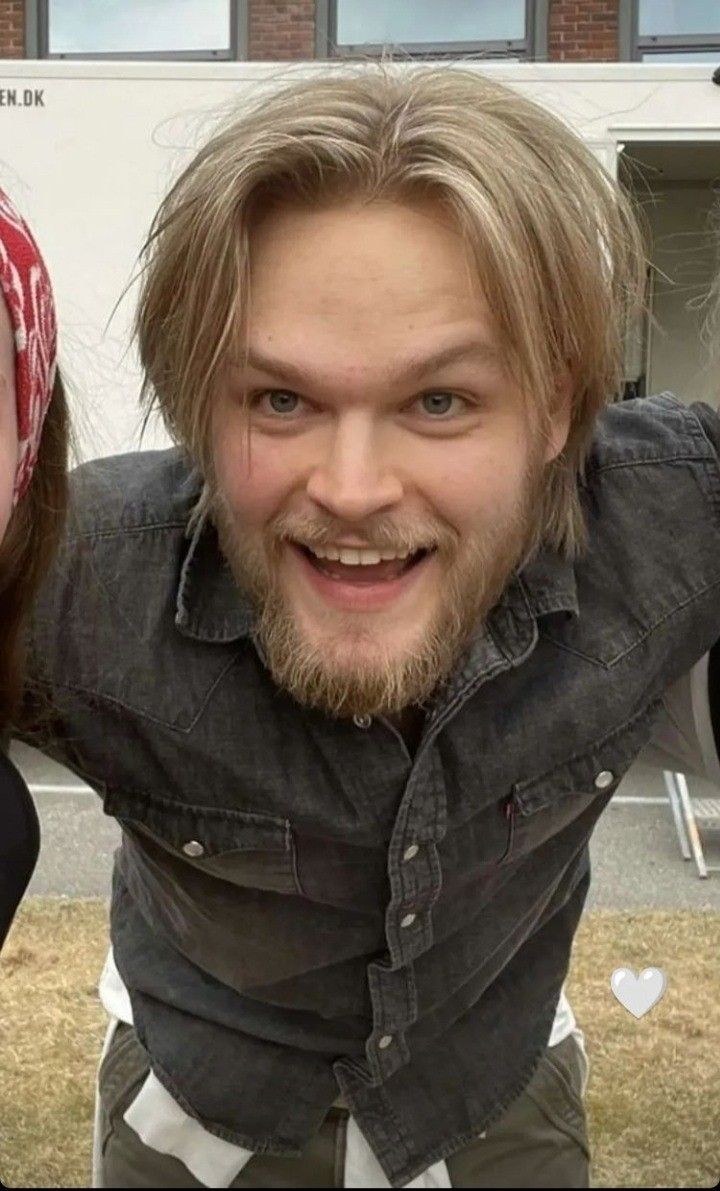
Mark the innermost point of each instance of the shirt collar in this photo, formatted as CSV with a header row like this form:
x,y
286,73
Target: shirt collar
x,y
544,585
210,607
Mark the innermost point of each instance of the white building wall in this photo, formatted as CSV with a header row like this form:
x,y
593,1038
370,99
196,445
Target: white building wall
x,y
89,163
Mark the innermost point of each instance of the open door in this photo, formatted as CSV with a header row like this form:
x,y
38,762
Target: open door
x,y
675,185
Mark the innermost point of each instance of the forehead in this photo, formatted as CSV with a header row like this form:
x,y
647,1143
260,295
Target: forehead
x,y
355,277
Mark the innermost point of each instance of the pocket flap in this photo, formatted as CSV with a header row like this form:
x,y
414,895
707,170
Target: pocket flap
x,y
213,830
596,770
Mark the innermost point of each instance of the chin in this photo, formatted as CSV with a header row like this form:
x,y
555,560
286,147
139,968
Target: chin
x,y
357,642
353,672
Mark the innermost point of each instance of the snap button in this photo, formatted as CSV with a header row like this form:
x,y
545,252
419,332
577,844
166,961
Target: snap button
x,y
385,1041
193,848
362,721
604,779
411,852
408,920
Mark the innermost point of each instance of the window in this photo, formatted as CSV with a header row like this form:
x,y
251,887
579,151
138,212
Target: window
x,y
673,30
493,28
138,29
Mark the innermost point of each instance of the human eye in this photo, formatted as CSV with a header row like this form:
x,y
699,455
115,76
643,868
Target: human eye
x,y
439,404
276,401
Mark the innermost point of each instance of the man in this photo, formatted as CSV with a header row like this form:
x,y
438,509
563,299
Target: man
x,y
358,666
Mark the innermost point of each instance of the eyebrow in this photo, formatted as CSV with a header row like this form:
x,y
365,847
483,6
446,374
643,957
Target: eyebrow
x,y
413,369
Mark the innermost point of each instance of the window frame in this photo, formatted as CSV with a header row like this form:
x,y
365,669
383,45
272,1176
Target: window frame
x,y
532,48
634,48
37,41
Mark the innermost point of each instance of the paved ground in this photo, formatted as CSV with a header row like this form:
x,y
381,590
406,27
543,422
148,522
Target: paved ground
x,y
635,854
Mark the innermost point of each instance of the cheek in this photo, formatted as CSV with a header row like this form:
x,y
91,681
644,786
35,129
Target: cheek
x,y
476,486
8,451
253,486
6,490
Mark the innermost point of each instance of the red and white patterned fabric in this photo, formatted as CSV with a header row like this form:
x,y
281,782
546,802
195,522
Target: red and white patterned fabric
x,y
26,288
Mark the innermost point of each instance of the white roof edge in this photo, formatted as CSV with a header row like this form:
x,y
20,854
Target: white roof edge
x,y
542,72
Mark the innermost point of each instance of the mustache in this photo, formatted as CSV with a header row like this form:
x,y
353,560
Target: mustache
x,y
381,534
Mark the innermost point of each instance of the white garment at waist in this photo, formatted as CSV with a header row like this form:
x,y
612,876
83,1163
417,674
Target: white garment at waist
x,y
163,1125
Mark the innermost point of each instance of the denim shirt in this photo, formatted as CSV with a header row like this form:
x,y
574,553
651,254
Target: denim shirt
x,y
300,905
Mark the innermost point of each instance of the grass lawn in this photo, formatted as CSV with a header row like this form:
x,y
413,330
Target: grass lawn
x,y
653,1097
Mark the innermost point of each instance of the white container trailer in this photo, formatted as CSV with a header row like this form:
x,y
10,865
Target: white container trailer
x,y
87,149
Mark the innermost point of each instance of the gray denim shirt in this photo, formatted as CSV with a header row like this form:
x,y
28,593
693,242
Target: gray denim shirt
x,y
300,905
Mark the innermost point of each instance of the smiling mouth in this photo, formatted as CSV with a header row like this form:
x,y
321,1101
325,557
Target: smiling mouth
x,y
363,574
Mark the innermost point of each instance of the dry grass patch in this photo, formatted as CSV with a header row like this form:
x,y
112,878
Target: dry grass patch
x,y
653,1104
51,1031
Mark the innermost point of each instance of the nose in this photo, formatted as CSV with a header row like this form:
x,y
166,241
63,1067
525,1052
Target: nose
x,y
352,480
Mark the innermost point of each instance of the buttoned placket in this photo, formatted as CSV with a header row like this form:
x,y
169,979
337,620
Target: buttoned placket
x,y
391,980
421,825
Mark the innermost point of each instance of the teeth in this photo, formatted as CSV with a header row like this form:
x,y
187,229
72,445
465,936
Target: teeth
x,y
354,558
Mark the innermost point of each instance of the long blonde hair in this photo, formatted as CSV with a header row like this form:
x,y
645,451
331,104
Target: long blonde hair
x,y
552,240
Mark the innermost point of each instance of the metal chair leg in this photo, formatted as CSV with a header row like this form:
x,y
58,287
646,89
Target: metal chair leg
x,y
677,815
689,817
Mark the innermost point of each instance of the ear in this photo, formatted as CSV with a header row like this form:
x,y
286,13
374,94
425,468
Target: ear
x,y
562,410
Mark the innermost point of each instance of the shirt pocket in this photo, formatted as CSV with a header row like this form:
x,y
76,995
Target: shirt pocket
x,y
244,848
540,808
477,846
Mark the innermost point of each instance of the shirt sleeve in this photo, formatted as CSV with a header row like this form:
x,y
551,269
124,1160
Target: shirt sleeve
x,y
686,738
709,419
687,733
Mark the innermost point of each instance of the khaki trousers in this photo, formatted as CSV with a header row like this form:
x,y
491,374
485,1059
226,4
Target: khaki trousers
x,y
540,1141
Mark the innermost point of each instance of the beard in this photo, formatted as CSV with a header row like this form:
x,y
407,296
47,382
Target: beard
x,y
350,670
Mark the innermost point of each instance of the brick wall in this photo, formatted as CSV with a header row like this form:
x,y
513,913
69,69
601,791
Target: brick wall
x,y
12,29
579,30
281,29
583,30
